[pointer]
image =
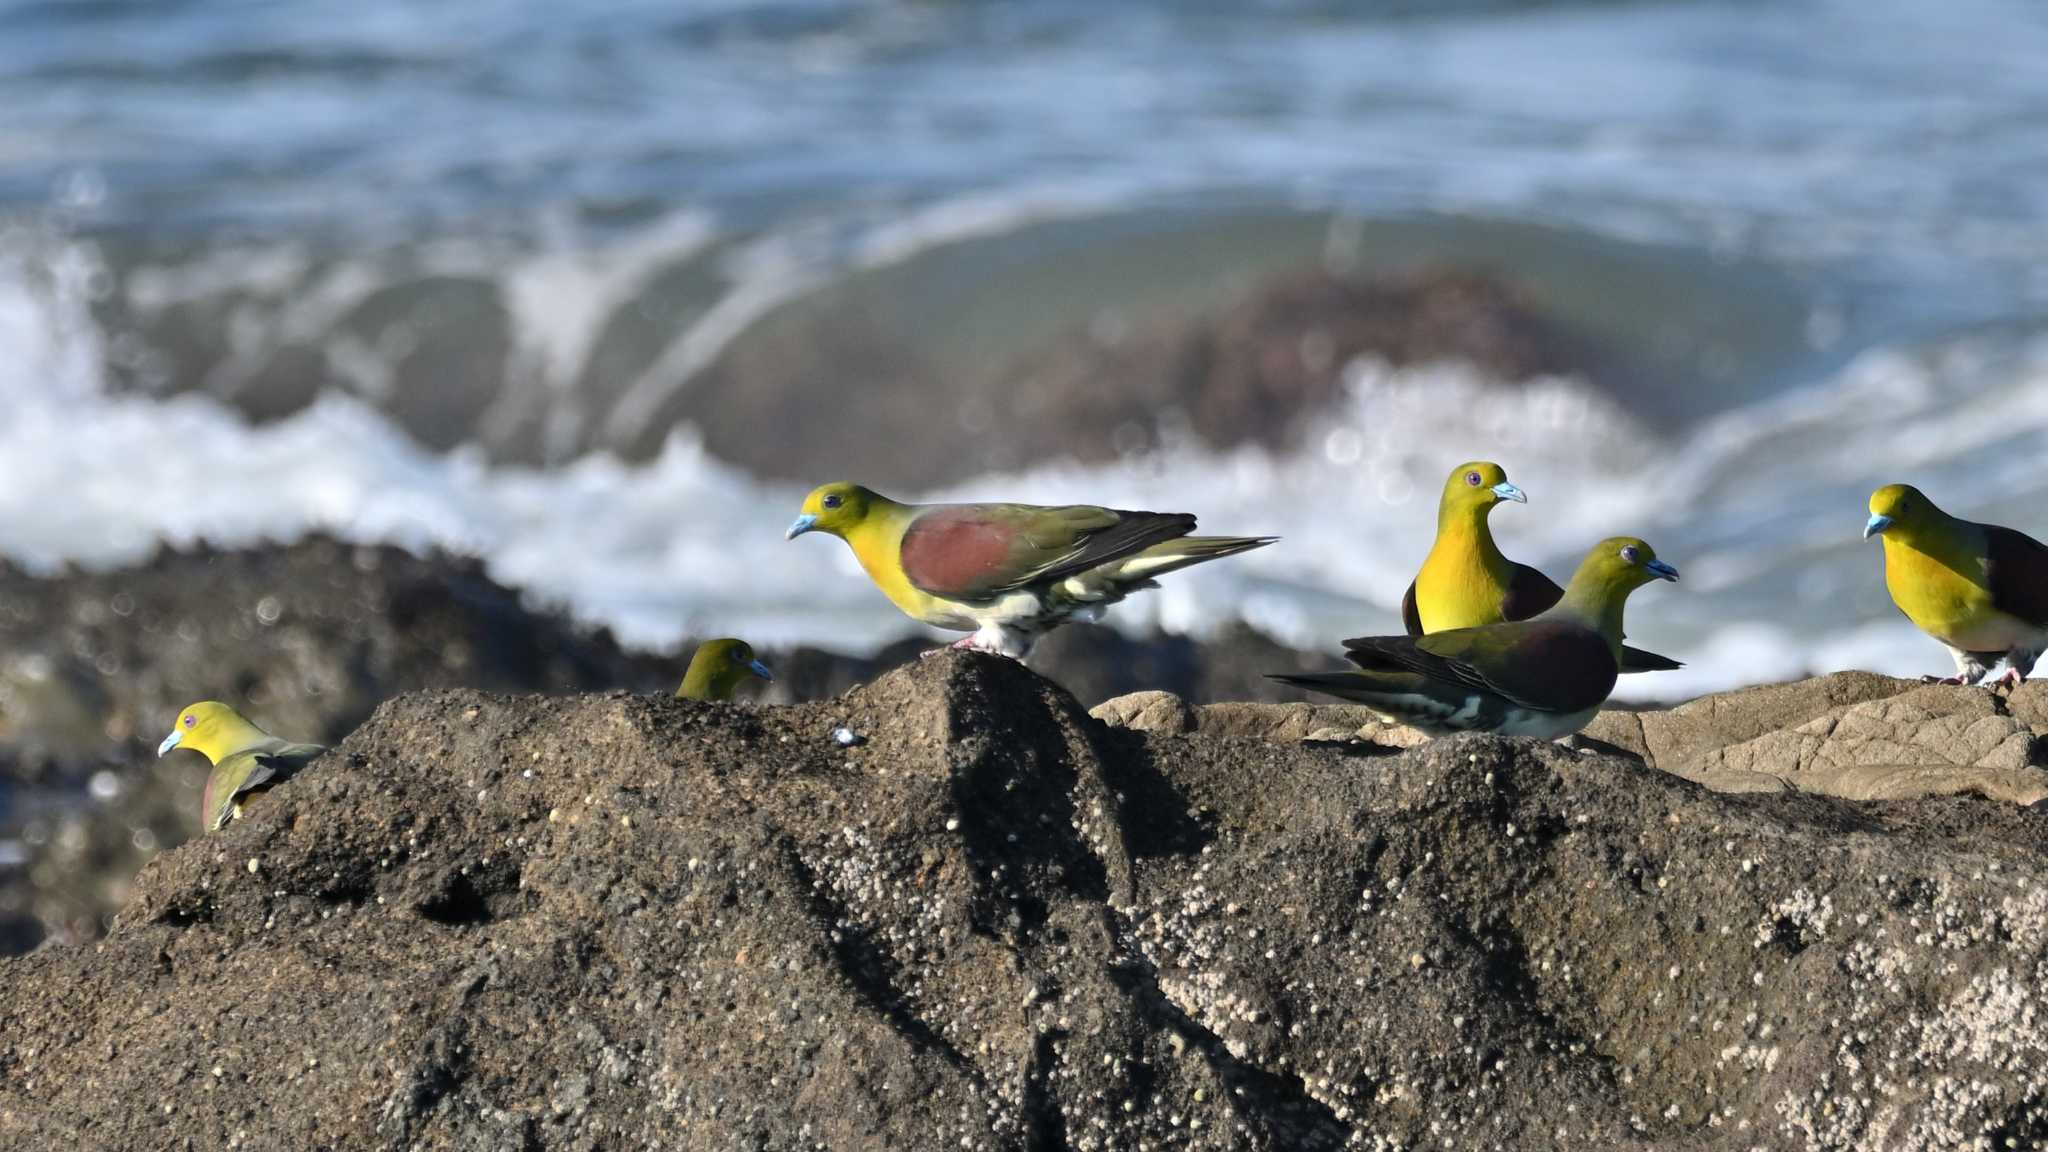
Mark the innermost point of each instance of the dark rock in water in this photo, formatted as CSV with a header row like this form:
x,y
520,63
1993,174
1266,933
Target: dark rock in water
x,y
808,673
1263,369
1257,369
1095,338
310,636
637,922
940,359
19,934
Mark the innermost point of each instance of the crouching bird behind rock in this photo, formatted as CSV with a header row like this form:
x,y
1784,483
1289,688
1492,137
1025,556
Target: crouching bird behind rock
x,y
1466,581
245,758
1008,573
1980,589
718,667
1543,677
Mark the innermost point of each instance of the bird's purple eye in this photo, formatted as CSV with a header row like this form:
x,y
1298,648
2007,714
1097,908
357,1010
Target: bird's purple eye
x,y
832,501
190,720
1629,553
1472,479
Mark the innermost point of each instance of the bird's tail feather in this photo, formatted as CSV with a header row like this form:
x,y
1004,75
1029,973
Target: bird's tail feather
x,y
1637,660
1364,687
1173,555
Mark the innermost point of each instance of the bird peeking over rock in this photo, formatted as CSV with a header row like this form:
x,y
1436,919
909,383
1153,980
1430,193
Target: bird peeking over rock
x,y
718,667
245,758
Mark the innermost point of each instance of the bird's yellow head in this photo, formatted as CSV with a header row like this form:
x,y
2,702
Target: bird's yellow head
x,y
211,729
1619,565
837,508
1476,487
719,667
1898,508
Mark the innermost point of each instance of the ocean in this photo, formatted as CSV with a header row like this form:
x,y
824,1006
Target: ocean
x,y
439,274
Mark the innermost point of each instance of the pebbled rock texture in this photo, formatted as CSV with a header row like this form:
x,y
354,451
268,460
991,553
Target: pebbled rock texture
x,y
487,922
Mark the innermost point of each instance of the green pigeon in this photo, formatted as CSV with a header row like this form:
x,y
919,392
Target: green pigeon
x,y
1008,573
717,669
1980,589
245,758
1465,581
1543,677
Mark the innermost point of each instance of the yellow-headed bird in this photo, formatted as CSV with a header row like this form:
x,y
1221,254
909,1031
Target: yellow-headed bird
x,y
717,669
1980,589
1466,582
1007,572
1543,677
245,758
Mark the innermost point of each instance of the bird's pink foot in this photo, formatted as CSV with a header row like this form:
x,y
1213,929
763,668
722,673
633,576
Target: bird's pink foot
x,y
971,642
1953,681
2011,680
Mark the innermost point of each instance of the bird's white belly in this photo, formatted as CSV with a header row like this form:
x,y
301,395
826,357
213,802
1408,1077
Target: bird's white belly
x,y
1999,633
1545,725
1012,609
1438,717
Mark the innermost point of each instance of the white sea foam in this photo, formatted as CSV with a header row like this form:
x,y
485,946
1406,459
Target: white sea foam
x,y
1760,508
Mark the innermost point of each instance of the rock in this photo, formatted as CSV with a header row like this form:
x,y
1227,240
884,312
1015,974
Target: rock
x,y
2029,704
311,636
1253,367
1688,730
638,922
1166,712
1851,735
1095,338
918,356
1281,721
1095,662
1146,712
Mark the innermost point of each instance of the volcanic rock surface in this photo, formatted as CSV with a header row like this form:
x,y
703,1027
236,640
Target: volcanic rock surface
x,y
995,922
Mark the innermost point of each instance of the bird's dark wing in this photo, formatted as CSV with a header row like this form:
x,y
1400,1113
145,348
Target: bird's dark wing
x,y
2017,569
1411,617
284,759
1549,665
230,778
980,551
1529,593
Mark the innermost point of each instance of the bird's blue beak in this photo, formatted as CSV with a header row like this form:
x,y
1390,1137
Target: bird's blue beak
x,y
761,670
1663,571
1507,491
1876,525
801,525
169,743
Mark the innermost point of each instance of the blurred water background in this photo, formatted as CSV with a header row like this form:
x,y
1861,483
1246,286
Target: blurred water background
x,y
596,291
